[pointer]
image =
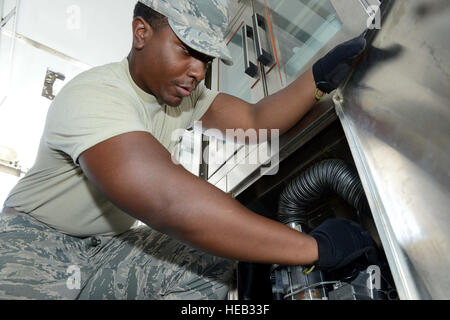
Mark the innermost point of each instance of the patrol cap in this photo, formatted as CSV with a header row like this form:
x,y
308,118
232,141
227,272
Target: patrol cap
x,y
200,24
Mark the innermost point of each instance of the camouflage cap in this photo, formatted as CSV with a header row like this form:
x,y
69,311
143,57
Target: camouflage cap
x,y
200,24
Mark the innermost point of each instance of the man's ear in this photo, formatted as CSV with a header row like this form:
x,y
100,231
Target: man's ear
x,y
142,32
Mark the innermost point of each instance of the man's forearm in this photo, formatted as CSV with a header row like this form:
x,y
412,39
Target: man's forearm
x,y
219,224
283,109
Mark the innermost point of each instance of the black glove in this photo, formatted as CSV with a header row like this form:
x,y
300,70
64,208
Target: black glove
x,y
340,242
332,69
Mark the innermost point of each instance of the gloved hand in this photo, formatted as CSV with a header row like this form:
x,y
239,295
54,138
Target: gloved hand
x,y
332,69
340,242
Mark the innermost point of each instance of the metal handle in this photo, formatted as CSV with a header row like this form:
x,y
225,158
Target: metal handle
x,y
264,56
250,68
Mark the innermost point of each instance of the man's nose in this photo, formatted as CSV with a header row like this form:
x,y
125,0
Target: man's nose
x,y
197,69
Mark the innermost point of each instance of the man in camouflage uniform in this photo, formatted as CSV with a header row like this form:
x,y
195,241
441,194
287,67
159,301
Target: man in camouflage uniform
x,y
68,227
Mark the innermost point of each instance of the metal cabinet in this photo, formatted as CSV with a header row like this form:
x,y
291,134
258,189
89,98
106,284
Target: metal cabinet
x,y
272,42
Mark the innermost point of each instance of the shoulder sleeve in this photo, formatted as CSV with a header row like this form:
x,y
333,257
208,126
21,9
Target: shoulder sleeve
x,y
84,115
202,100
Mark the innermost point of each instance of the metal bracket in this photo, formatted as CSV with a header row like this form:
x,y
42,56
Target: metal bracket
x,y
11,167
50,78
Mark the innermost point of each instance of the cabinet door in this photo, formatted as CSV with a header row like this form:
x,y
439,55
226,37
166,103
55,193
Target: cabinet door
x,y
301,31
237,80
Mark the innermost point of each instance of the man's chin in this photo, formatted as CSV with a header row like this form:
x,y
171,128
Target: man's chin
x,y
173,102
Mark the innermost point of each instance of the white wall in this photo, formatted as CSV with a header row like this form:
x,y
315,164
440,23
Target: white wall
x,y
51,34
95,32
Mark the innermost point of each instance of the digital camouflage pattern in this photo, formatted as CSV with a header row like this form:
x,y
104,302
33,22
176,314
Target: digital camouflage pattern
x,y
200,24
38,262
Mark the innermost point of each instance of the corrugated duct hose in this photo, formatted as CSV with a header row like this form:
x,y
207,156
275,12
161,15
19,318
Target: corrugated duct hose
x,y
317,182
296,200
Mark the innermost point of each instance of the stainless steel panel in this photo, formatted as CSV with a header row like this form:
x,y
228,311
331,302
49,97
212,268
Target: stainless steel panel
x,y
396,115
222,184
248,160
235,157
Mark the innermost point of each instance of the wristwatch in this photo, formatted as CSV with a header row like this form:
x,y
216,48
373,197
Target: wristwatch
x,y
318,94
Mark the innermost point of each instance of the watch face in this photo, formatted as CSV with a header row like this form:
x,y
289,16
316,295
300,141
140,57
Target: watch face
x,y
317,95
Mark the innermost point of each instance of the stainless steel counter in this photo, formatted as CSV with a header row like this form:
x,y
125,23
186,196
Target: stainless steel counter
x,y
395,112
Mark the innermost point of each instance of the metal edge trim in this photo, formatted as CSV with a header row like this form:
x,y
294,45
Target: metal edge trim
x,y
403,278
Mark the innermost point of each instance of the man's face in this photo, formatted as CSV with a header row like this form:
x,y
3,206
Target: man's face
x,y
168,68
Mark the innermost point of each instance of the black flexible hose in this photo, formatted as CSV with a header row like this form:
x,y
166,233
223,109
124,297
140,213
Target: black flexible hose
x,y
317,182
